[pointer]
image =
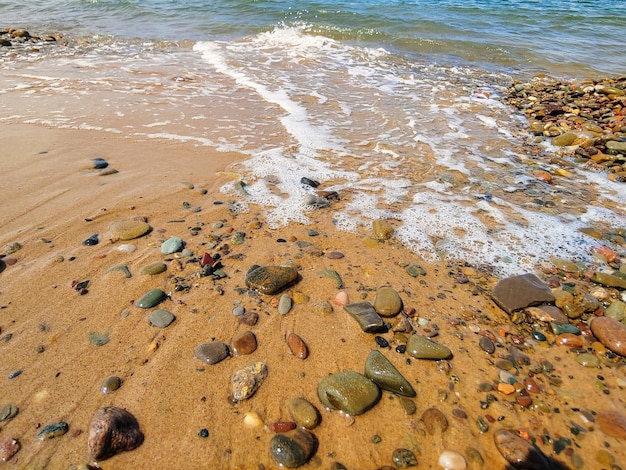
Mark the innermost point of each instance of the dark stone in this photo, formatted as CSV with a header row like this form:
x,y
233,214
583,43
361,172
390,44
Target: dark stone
x,y
212,353
518,292
113,430
309,182
271,279
384,374
99,163
349,392
366,316
294,448
91,241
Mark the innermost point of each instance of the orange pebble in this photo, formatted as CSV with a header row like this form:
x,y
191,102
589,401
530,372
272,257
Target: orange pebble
x,y
507,389
609,254
542,175
569,339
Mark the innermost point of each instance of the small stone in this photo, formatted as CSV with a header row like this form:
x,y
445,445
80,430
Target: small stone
x,y
8,448
127,248
239,310
244,343
408,406
415,270
519,452
111,384
382,229
113,430
612,423
335,255
12,247
91,241
212,353
98,339
611,333
99,163
271,280
161,318
421,347
387,302
8,412
384,374
294,448
452,460
434,421
341,298
609,280
246,381
297,346
249,319
588,360
129,229
366,316
404,458
486,345
151,299
565,139
284,304
569,339
303,413
518,292
172,245
564,328
53,430
203,433
154,269
349,392
309,182
108,171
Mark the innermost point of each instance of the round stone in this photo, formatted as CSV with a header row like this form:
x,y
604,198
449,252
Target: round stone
x,y
611,333
212,353
404,458
110,384
151,298
172,245
421,347
348,391
382,229
284,304
161,318
384,374
244,343
303,413
486,345
434,421
452,460
271,279
129,229
294,448
297,346
387,302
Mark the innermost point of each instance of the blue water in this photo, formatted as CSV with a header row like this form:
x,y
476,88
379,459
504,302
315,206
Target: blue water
x,y
566,37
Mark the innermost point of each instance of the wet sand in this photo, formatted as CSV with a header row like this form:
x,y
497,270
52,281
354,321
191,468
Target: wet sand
x,y
52,201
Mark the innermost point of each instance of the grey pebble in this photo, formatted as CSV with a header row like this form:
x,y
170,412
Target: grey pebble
x,y
161,318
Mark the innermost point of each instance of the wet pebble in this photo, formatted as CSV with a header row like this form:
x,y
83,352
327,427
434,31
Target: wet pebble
x,y
404,458
519,452
421,347
249,319
8,448
111,384
98,339
435,422
284,304
151,298
486,345
297,346
8,412
129,229
154,269
569,339
161,318
348,391
387,302
612,423
53,430
294,448
303,413
270,280
366,316
335,255
588,360
12,247
246,381
239,310
113,430
611,333
517,292
382,229
172,245
244,343
384,374
212,353
99,163
91,241
452,460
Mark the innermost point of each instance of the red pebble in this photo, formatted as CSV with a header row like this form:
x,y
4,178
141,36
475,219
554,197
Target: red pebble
x,y
569,339
523,398
281,426
207,259
531,385
490,418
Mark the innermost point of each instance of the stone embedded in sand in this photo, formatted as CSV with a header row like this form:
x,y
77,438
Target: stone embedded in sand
x,y
612,423
53,430
294,448
421,347
366,316
244,343
610,332
154,269
382,229
246,381
517,292
348,391
434,421
113,430
129,229
12,247
304,413
271,279
8,448
151,298
520,453
172,245
384,374
609,280
161,318
387,302
212,353
8,412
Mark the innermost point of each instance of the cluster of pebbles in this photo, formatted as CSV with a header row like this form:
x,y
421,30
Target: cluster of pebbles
x,y
16,37
585,120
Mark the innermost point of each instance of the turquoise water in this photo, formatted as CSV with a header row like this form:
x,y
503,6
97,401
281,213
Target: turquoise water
x,y
393,104
560,36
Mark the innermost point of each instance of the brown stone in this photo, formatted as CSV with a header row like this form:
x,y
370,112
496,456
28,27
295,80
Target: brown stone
x,y
612,423
113,430
244,343
611,333
297,346
517,292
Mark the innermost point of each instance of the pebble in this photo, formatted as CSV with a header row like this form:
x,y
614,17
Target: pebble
x,y
421,347
519,452
434,421
382,229
8,448
108,171
384,374
415,270
239,310
252,420
246,381
609,280
113,430
560,328
12,247
387,302
53,430
212,353
297,346
8,412
271,280
129,229
612,423
154,269
304,413
284,304
518,292
334,275
486,345
98,339
111,384
250,319
341,298
404,458
309,182
161,318
99,163
91,241
151,298
408,406
569,339
366,316
335,255
172,245
452,460
611,333
244,343
588,360
294,448
348,391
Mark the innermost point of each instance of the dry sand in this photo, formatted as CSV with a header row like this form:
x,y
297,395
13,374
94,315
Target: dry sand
x,y
52,201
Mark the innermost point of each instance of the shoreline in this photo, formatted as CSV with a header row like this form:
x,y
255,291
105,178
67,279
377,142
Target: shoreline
x,y
55,201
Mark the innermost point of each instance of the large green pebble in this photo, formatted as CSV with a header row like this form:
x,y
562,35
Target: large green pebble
x,y
151,298
421,347
349,391
154,269
384,374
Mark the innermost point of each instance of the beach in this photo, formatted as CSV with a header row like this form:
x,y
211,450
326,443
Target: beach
x,y
206,233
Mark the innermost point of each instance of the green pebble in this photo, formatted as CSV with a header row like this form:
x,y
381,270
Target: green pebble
x,y
53,430
151,298
415,270
588,360
98,339
559,328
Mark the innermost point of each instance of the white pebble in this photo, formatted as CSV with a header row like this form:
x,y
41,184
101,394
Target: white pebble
x,y
127,248
252,420
452,460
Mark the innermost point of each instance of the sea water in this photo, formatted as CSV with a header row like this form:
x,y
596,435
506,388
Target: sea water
x,y
393,104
